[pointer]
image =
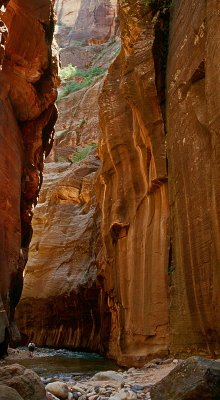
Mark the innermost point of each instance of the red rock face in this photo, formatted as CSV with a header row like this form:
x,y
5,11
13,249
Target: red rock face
x,y
63,256
133,194
146,301
193,142
28,80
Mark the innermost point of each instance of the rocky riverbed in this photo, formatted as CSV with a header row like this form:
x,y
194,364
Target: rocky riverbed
x,y
160,379
131,384
117,384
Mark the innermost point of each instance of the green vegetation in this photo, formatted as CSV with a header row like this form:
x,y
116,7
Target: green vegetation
x,y
74,87
82,152
67,72
60,159
79,78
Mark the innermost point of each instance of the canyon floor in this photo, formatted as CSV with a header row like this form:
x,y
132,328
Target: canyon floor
x,y
133,383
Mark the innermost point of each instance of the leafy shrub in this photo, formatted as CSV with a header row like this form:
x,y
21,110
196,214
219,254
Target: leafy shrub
x,y
90,72
68,72
73,87
82,152
60,159
72,73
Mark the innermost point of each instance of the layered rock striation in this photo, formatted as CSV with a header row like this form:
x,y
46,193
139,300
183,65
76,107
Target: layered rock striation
x,y
132,190
64,252
28,90
90,20
193,152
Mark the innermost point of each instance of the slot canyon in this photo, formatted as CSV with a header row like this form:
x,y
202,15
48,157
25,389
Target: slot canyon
x,y
109,177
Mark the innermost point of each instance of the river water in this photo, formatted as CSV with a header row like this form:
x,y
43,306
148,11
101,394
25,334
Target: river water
x,y
64,364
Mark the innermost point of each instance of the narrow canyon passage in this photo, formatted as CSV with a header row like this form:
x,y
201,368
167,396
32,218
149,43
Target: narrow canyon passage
x,y
124,257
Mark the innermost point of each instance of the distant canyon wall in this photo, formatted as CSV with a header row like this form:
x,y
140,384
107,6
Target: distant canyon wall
x,y
28,91
91,20
64,253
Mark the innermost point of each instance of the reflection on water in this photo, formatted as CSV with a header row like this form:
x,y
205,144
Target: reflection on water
x,y
65,364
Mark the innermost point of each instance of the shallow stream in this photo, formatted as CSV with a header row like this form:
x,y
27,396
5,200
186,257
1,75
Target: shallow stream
x,y
64,364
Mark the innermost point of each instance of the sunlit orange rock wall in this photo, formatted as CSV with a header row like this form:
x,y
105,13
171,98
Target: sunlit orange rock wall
x,y
133,191
27,93
193,122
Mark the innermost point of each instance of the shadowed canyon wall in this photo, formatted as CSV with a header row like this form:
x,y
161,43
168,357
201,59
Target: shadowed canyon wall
x,y
133,190
152,288
64,252
28,90
193,117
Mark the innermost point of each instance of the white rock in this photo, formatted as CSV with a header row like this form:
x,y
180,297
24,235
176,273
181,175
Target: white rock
x,y
59,389
124,395
76,388
131,370
175,361
108,376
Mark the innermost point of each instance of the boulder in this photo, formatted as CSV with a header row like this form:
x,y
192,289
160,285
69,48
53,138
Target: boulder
x,y
50,396
59,389
108,376
7,393
124,394
195,378
25,381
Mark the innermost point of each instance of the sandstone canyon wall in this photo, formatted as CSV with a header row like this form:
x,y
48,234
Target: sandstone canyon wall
x,y
152,287
86,19
193,117
63,257
28,90
133,189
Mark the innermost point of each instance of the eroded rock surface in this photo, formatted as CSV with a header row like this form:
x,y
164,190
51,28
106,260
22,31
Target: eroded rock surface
x,y
193,118
86,19
64,253
133,192
28,80
63,261
156,280
25,381
195,378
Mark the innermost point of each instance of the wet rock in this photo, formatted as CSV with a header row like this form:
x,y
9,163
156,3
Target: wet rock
x,y
137,387
25,381
59,389
195,378
76,395
7,393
